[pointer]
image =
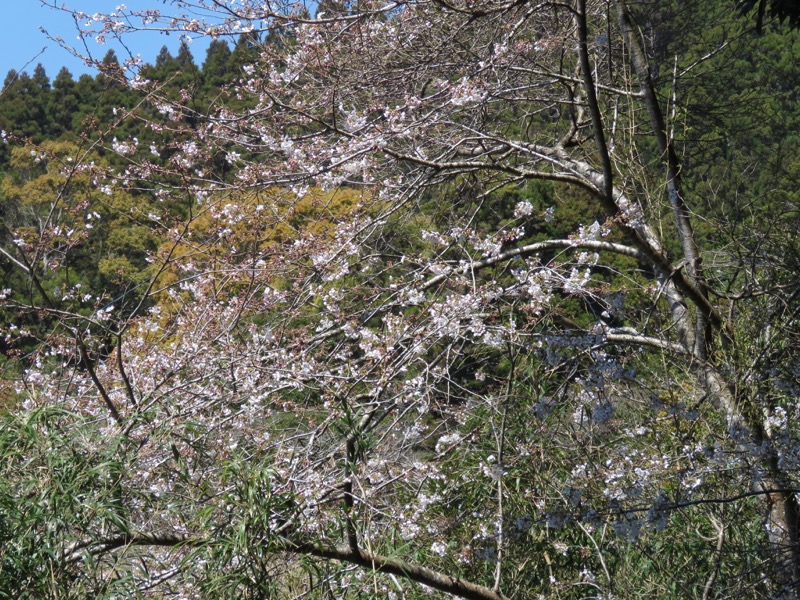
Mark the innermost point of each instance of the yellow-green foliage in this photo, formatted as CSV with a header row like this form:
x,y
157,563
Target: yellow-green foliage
x,y
260,225
56,202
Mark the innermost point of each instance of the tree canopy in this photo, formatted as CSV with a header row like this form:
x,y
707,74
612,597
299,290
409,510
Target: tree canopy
x,y
783,10
435,298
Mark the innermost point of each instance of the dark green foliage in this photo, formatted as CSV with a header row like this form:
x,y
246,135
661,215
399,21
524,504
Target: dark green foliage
x,y
176,71
245,52
112,262
64,102
23,105
216,68
783,10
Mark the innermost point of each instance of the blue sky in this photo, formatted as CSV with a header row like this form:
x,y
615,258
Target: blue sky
x,y
21,41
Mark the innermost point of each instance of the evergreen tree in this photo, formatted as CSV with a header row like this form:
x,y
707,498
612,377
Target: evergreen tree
x,y
164,67
115,94
327,9
39,98
188,74
177,71
109,67
244,53
40,80
20,107
185,59
64,102
86,92
11,77
783,10
216,67
164,58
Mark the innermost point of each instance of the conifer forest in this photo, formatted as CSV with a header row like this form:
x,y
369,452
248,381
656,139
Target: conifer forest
x,y
404,299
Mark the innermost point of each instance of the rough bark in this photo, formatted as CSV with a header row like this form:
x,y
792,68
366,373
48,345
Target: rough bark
x,y
782,508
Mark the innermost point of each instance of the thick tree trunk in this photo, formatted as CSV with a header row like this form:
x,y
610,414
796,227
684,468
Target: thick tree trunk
x,y
782,510
673,171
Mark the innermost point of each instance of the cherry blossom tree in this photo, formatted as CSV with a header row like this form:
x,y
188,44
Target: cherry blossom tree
x,y
441,325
